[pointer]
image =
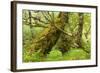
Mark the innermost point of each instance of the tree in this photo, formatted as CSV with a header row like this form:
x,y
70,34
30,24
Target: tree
x,y
61,30
49,37
80,29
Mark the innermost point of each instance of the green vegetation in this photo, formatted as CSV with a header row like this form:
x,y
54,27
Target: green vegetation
x,y
56,36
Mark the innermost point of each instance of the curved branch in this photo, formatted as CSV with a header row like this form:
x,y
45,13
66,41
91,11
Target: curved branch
x,y
49,14
38,25
86,34
47,34
36,41
45,17
63,31
40,20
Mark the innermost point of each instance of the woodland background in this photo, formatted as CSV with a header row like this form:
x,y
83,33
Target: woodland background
x,y
53,36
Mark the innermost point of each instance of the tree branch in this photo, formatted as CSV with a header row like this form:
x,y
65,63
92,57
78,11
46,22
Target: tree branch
x,y
38,25
45,17
47,34
86,34
63,31
40,20
49,15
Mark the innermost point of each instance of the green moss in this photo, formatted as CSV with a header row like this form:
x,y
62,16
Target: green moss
x,y
76,54
54,55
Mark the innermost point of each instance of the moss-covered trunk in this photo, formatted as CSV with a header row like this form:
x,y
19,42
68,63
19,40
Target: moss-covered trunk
x,y
48,37
64,42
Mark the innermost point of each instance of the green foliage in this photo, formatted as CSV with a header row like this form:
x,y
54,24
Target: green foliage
x,y
35,57
37,31
75,54
26,32
31,33
73,22
54,55
26,56
87,46
87,21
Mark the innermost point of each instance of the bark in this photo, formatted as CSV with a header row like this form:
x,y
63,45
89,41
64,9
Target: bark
x,y
80,29
30,22
87,33
64,41
48,37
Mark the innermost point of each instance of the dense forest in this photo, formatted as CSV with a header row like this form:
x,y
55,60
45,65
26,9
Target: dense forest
x,y
56,36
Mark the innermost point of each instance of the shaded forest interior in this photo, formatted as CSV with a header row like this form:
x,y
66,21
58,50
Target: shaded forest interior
x,y
55,36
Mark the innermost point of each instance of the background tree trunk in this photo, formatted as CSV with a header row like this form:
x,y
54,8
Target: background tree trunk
x,y
80,29
30,22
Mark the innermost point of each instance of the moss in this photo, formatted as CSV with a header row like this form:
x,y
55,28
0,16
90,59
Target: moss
x,y
54,55
76,54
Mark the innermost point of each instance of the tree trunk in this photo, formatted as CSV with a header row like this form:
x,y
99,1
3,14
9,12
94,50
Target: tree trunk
x,y
30,22
64,41
80,29
48,37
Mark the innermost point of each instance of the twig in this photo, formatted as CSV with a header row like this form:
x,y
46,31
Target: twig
x,y
45,17
40,20
49,15
38,25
